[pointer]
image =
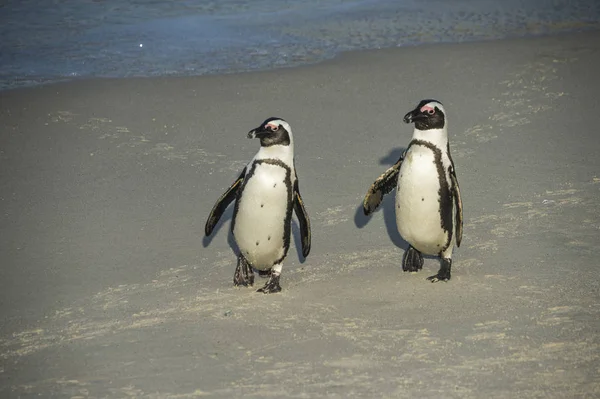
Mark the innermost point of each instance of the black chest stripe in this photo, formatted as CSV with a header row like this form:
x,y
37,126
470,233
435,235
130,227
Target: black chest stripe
x,y
445,194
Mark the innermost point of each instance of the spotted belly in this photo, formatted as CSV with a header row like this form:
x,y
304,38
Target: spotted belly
x,y
262,219
418,216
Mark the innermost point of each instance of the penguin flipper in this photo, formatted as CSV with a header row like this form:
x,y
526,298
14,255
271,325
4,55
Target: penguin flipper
x,y
383,185
458,217
222,204
302,220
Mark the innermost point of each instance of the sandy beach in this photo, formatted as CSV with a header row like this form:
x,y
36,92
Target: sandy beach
x,y
109,289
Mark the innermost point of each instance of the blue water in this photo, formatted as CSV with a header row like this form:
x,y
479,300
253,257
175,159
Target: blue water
x,y
51,40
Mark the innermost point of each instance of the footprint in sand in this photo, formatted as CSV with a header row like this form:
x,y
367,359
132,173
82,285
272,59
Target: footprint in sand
x,y
335,215
527,94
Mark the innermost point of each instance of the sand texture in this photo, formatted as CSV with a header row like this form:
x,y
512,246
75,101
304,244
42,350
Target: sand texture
x,y
109,289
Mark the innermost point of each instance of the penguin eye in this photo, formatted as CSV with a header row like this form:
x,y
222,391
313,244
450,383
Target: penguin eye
x,y
275,128
431,111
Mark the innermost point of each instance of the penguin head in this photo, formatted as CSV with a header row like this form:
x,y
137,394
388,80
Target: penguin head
x,y
273,131
429,114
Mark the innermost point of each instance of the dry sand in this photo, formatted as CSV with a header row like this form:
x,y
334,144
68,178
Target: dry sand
x,y
108,288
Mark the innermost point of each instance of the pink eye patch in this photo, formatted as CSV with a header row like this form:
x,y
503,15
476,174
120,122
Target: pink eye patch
x,y
428,109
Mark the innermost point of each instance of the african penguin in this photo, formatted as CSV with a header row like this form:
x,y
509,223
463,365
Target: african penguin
x,y
428,204
265,192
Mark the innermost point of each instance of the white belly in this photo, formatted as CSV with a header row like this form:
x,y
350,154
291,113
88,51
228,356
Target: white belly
x,y
263,219
418,202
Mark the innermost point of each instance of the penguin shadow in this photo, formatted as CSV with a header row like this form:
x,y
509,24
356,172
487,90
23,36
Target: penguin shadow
x,y
387,206
228,215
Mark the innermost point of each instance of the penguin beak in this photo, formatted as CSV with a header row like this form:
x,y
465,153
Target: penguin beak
x,y
259,133
262,131
414,115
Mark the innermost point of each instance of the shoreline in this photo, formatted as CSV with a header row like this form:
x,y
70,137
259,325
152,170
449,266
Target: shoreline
x,y
44,81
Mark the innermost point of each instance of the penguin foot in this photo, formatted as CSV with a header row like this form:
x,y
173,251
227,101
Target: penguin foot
x,y
412,261
244,275
444,273
272,286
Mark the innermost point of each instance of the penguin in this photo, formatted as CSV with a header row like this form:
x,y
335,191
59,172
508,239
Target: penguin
x,y
266,192
429,213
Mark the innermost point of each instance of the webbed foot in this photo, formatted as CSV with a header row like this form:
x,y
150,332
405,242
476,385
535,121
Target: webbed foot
x,y
444,273
244,275
272,286
412,261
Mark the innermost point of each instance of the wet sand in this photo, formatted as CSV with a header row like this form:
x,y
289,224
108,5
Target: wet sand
x,y
109,289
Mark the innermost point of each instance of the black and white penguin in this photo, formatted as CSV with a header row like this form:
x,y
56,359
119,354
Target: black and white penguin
x,y
428,205
266,192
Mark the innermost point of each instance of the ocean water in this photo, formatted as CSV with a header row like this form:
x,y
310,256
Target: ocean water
x,y
51,40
